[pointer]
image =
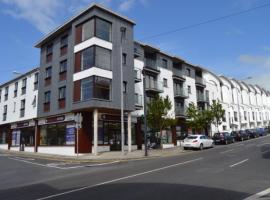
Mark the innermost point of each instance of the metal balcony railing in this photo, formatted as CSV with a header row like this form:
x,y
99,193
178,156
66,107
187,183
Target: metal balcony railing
x,y
180,111
181,93
202,98
178,72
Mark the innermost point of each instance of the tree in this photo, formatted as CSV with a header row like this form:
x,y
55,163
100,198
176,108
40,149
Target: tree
x,y
157,114
198,119
217,113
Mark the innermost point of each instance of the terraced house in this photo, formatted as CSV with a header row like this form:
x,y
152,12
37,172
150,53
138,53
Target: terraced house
x,y
79,73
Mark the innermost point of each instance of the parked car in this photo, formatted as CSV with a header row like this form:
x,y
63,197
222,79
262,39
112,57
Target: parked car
x,y
252,133
197,142
223,138
240,135
261,131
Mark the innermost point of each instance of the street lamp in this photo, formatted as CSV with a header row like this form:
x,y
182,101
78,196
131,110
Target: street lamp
x,y
122,30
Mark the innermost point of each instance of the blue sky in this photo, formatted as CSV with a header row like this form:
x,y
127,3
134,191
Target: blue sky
x,y
236,47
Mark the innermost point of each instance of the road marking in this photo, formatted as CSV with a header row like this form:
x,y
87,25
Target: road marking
x,y
239,163
261,195
93,165
33,163
24,158
227,151
119,179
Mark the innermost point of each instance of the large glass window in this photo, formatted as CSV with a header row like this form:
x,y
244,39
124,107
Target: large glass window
x,y
96,56
103,29
88,30
95,87
3,137
47,97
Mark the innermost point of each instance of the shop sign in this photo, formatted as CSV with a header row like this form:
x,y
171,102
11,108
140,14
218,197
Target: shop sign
x,y
55,119
22,124
70,135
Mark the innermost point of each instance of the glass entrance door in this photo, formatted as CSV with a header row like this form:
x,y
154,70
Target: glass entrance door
x,y
115,140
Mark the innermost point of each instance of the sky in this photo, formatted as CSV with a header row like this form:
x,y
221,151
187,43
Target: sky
x,y
237,47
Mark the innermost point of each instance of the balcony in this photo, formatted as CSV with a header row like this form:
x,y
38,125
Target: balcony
x,y
199,81
180,111
137,75
202,98
138,101
178,74
151,65
181,93
154,86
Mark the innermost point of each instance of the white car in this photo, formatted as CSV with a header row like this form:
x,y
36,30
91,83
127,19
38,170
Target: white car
x,y
197,142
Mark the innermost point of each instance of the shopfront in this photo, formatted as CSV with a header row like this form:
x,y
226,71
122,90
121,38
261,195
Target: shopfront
x,y
56,135
23,136
4,136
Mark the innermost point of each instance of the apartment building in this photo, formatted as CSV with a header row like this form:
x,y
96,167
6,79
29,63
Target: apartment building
x,y
79,75
18,108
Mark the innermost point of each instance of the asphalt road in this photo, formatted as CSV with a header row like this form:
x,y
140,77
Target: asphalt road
x,y
235,171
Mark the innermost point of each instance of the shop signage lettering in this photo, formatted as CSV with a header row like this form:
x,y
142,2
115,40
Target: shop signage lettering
x,y
55,119
22,124
70,135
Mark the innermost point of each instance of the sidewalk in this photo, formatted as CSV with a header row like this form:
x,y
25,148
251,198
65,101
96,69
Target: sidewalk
x,y
101,157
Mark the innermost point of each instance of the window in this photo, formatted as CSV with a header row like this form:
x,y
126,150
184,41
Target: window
x,y
63,66
62,93
103,29
47,97
124,87
6,93
224,117
245,115
123,31
88,30
165,82
164,63
24,86
34,102
95,87
188,72
48,72
5,113
16,89
22,111
64,41
235,116
124,59
49,49
36,81
189,89
96,56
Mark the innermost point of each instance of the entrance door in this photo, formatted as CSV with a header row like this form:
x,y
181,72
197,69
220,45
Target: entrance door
x,y
115,140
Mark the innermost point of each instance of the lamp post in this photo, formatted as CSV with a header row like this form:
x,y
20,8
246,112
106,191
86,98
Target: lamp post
x,y
122,30
145,121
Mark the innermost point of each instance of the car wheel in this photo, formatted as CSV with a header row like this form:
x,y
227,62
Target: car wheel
x,y
201,146
185,148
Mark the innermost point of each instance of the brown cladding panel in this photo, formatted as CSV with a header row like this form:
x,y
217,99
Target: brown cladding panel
x,y
62,76
77,91
63,50
77,67
78,35
61,103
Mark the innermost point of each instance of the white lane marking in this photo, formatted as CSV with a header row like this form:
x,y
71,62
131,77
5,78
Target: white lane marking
x,y
239,163
93,165
33,163
119,179
21,158
227,151
259,195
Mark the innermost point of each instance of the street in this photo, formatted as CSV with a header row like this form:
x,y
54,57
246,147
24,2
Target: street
x,y
235,171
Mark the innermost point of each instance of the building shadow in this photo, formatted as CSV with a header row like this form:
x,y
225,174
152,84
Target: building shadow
x,y
126,191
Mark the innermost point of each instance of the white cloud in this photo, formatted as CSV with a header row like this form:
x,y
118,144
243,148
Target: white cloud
x,y
126,5
261,80
257,60
39,13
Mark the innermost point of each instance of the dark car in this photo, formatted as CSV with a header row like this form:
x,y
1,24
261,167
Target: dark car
x,y
240,135
252,133
261,131
223,138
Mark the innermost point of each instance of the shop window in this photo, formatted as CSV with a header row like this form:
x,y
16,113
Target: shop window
x,y
57,135
3,137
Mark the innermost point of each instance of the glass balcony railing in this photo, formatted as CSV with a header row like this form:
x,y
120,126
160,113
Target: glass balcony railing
x,y
178,72
200,80
181,93
151,63
154,86
180,111
138,100
138,74
202,98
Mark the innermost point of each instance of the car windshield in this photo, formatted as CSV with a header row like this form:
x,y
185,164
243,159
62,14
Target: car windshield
x,y
191,137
